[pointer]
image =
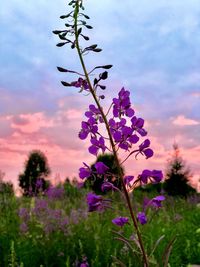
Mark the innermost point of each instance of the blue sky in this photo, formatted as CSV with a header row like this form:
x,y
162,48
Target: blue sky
x,y
154,47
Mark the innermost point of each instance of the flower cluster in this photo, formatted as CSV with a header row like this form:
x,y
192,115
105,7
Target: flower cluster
x,y
55,192
124,130
154,176
86,171
120,221
90,126
47,218
81,83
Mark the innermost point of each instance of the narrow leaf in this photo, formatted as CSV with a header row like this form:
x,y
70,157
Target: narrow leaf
x,y
104,75
86,16
118,262
91,47
79,31
65,83
62,37
73,46
104,67
65,16
88,26
103,87
69,71
97,50
57,32
61,44
166,254
62,69
95,81
157,243
85,37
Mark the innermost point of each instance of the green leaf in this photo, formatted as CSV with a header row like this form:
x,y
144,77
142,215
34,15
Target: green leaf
x,y
166,254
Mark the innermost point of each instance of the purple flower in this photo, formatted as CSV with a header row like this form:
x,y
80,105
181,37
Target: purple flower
x,y
144,149
84,264
156,201
142,218
24,214
80,83
137,125
88,127
96,145
41,206
157,175
23,228
123,134
94,114
85,172
39,183
55,192
133,139
106,186
128,179
95,202
80,184
101,167
144,176
122,105
120,221
154,176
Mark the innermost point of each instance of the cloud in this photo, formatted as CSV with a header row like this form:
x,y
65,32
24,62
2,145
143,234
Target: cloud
x,y
154,46
181,120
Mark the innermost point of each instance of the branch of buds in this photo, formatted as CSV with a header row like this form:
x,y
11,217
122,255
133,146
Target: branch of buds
x,y
124,129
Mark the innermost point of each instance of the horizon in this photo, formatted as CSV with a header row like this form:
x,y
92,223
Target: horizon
x,y
155,52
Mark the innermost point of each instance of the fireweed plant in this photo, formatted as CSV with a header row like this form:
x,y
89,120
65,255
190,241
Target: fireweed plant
x,y
123,129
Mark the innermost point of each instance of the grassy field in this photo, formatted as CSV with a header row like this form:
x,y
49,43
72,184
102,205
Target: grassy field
x,y
58,231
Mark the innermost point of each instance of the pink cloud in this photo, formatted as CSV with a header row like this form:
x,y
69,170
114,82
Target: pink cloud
x,y
181,120
196,94
29,123
56,135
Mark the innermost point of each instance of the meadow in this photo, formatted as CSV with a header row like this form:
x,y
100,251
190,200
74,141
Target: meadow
x,y
57,230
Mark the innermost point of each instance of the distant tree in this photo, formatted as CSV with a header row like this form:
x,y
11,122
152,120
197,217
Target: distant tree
x,y
32,180
5,187
177,176
95,181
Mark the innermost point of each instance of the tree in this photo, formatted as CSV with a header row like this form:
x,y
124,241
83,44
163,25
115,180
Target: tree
x,y
96,181
5,187
32,180
177,176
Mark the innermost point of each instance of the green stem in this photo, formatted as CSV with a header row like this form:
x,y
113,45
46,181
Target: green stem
x,y
110,137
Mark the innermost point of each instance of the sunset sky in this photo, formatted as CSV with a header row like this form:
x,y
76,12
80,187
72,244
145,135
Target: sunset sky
x,y
155,49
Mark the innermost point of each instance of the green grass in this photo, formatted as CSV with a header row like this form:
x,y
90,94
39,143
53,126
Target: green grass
x,y
91,234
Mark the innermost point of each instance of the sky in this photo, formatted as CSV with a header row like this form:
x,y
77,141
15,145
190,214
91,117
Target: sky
x,y
154,48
